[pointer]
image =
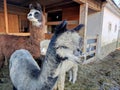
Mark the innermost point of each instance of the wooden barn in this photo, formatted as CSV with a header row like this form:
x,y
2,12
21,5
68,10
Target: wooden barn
x,y
13,17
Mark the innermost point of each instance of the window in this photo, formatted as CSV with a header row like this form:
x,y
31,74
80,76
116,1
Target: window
x,y
115,28
109,27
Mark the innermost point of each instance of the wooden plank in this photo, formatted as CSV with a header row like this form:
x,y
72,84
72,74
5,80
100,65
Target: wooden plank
x,y
71,14
53,23
48,36
58,22
1,33
2,23
90,60
92,44
80,1
6,16
91,37
13,23
91,52
15,9
93,4
19,34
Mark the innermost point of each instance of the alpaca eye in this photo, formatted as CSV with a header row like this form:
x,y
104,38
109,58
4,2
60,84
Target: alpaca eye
x,y
37,15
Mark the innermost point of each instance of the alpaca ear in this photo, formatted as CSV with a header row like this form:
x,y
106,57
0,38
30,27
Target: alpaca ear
x,y
31,6
61,27
39,7
78,27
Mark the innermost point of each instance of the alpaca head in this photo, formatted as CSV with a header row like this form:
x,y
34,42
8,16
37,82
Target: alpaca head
x,y
66,42
69,42
35,15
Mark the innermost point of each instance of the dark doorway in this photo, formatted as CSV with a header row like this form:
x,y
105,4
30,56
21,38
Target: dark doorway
x,y
54,17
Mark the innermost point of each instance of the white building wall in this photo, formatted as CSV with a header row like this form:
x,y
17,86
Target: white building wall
x,y
94,28
109,36
94,24
98,24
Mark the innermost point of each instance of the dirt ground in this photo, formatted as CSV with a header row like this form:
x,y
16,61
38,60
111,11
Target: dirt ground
x,y
101,75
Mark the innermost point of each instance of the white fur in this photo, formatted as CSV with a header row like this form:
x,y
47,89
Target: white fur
x,y
43,46
67,65
31,17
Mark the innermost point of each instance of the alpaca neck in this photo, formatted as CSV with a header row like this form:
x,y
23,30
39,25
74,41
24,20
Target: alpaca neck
x,y
37,24
48,74
37,33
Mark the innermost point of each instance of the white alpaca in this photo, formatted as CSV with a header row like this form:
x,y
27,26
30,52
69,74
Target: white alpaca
x,y
66,66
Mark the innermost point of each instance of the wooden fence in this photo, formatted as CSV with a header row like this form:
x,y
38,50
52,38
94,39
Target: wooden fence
x,y
91,48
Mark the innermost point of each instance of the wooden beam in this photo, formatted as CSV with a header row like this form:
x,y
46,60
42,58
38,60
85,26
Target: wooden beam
x,y
95,5
14,9
80,1
60,5
6,16
19,34
70,22
83,20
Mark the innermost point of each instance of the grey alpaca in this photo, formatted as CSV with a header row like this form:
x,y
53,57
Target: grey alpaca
x,y
25,73
67,65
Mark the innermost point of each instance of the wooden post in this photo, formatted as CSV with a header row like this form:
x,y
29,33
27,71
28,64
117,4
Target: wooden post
x,y
6,16
45,14
97,42
6,23
83,20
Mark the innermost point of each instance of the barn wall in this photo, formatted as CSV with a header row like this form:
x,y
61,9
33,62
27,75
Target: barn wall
x,y
99,23
17,18
13,9
2,23
23,23
109,34
70,13
14,23
110,27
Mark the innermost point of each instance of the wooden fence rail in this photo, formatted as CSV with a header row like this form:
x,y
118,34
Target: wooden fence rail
x,y
91,48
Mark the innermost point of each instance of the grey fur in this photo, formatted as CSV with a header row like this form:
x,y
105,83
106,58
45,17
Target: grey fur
x,y
22,65
67,65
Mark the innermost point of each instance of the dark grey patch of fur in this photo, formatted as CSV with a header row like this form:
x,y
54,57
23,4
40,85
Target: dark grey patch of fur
x,y
37,6
51,82
37,15
32,70
61,58
65,47
14,88
77,28
61,28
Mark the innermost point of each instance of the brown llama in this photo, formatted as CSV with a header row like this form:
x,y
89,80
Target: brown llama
x,y
10,43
